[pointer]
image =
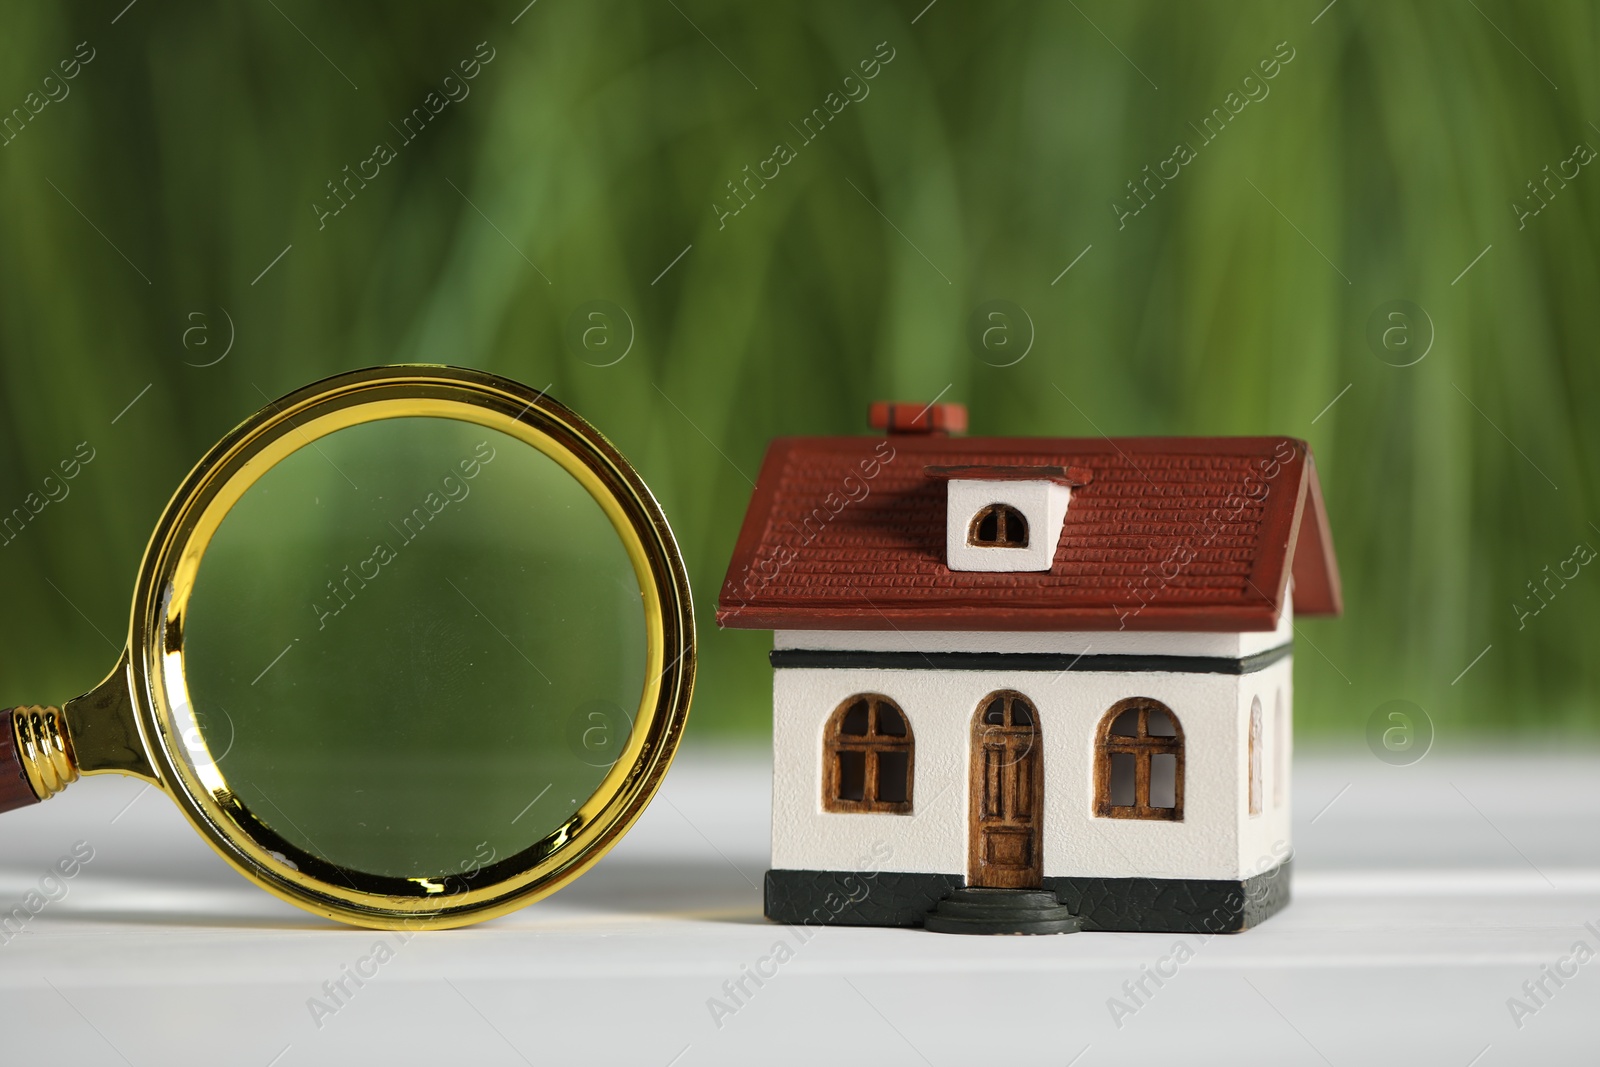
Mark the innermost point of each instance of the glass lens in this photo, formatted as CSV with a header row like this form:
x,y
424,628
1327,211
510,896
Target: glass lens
x,y
414,647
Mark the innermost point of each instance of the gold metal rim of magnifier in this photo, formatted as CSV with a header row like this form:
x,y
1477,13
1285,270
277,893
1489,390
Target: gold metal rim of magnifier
x,y
139,721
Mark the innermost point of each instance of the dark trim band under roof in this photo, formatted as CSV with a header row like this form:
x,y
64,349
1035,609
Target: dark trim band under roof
x,y
1056,662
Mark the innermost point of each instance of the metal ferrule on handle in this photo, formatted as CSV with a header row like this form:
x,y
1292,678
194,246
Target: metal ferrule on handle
x,y
36,760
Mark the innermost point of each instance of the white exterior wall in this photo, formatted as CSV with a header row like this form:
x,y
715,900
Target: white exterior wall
x,y
1100,643
1217,837
1264,839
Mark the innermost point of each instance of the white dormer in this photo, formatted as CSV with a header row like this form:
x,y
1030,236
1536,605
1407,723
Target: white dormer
x,y
1005,518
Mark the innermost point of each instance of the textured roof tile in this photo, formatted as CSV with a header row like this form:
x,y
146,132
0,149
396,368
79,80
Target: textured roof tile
x,y
1169,534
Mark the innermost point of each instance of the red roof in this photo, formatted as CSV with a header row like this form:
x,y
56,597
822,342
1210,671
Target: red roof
x,y
1170,533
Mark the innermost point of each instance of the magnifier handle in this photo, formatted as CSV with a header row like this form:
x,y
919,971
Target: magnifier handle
x,y
36,759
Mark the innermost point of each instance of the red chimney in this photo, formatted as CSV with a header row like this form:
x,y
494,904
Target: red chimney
x,y
917,417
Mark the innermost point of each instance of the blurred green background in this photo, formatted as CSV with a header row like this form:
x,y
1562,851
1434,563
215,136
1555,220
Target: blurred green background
x,y
173,197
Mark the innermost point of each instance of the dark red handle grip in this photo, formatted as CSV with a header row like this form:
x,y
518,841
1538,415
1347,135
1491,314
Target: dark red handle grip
x,y
15,792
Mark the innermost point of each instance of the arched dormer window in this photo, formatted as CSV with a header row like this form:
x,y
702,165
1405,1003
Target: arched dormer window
x,y
867,757
998,526
1139,762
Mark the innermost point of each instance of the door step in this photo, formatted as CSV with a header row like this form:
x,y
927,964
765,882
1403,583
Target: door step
x,y
977,910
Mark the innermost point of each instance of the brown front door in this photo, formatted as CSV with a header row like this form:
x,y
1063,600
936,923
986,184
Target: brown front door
x,y
1004,837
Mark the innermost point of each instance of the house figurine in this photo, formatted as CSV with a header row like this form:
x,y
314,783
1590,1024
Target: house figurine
x,y
1030,685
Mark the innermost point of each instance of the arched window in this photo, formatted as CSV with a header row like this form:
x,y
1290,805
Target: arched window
x,y
1255,755
998,526
1139,762
867,757
1280,751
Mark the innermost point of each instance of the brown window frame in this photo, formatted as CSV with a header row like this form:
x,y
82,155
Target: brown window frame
x,y
871,745
1141,747
1004,515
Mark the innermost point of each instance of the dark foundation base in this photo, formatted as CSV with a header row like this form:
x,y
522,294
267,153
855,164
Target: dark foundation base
x,y
1147,905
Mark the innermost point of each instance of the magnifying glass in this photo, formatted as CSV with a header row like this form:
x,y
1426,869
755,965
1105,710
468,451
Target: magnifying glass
x,y
411,647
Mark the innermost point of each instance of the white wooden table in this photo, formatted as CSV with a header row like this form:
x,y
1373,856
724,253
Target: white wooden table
x,y
1425,897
